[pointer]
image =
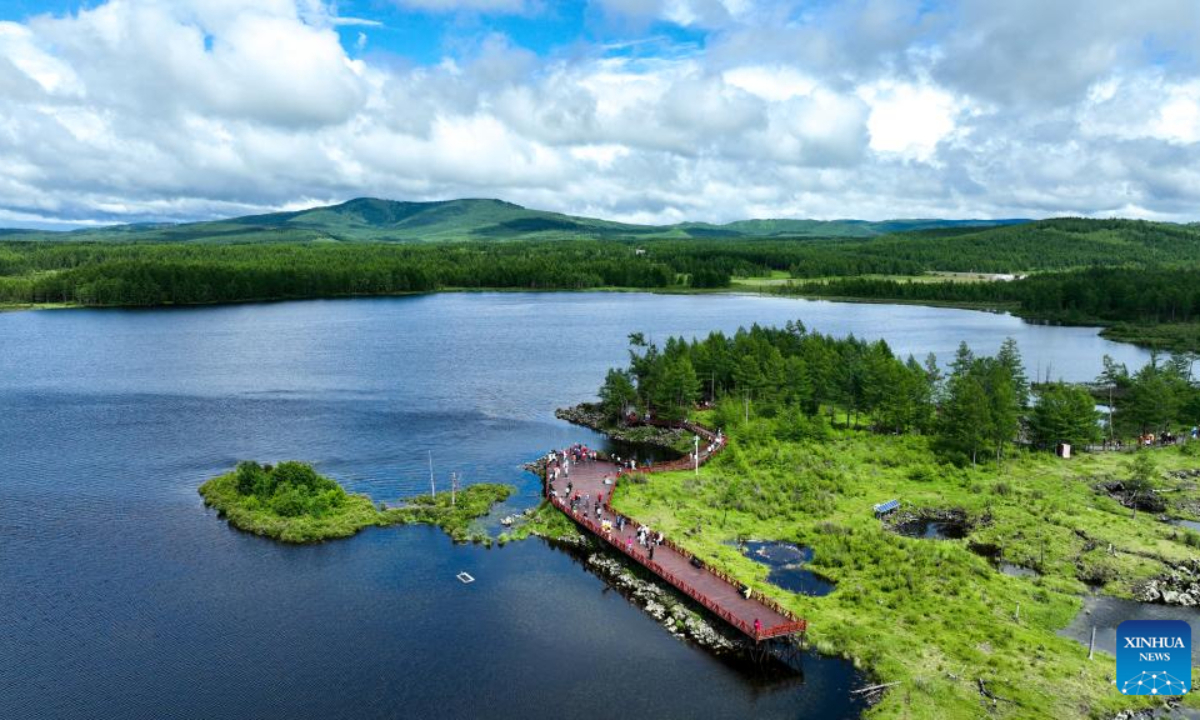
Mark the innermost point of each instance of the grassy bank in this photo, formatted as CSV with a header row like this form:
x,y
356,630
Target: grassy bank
x,y
934,615
547,522
314,510
1172,337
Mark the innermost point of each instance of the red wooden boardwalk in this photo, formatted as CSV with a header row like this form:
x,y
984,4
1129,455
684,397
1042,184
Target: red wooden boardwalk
x,y
756,616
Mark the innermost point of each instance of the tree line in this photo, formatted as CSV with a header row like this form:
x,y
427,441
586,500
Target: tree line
x,y
130,273
1093,295
107,274
804,382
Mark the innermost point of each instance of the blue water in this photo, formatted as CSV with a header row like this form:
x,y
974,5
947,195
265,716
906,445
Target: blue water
x,y
787,563
122,597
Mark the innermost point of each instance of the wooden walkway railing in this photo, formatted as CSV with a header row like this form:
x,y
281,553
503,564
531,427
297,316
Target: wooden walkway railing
x,y
708,583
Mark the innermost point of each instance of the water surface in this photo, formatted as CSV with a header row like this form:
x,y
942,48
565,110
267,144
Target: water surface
x,y
121,597
787,562
1106,613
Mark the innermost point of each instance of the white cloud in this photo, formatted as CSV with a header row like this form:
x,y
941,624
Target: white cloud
x,y
772,83
909,119
140,109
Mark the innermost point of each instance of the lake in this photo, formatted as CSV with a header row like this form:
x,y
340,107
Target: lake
x,y
121,596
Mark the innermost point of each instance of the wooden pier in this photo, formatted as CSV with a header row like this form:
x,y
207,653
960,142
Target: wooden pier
x,y
756,616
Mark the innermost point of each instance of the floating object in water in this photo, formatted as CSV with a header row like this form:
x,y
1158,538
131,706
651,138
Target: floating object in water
x,y
507,520
465,578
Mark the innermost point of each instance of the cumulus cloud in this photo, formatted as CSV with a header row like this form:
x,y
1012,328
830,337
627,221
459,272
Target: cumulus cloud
x,y
188,109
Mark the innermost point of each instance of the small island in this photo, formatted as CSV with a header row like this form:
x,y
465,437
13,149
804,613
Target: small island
x,y
291,502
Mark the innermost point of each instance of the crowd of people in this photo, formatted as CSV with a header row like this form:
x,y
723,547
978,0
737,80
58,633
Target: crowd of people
x,y
1165,438
582,504
585,500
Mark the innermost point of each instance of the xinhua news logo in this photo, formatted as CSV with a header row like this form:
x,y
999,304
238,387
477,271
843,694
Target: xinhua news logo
x,y
1154,657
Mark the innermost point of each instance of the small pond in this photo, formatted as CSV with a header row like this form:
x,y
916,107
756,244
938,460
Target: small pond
x,y
928,529
787,563
1017,570
1193,525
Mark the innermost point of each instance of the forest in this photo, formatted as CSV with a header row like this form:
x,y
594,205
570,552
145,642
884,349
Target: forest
x,y
124,274
1094,295
1141,278
974,410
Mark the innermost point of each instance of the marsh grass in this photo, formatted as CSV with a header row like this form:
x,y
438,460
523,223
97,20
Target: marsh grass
x,y
931,613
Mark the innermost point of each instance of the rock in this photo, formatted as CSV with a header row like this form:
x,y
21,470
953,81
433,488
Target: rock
x,y
1179,585
663,604
591,416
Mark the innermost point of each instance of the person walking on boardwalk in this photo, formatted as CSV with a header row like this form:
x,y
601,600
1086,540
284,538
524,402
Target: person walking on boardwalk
x,y
757,627
651,552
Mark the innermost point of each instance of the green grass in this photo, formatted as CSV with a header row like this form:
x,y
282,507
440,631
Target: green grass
x,y
1172,337
354,513
932,615
547,522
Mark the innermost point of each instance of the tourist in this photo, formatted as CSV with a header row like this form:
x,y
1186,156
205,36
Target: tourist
x,y
651,552
757,627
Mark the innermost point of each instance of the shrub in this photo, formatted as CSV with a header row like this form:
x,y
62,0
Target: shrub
x,y
249,475
922,473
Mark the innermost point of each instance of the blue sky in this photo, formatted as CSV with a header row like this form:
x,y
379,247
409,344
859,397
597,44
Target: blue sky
x,y
639,110
427,36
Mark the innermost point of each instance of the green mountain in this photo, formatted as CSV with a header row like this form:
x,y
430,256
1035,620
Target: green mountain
x,y
374,220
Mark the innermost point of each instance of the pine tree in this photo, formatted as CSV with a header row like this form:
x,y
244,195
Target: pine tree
x,y
1010,358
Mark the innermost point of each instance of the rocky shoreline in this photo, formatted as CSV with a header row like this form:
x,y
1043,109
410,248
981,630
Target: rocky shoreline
x,y
589,415
662,604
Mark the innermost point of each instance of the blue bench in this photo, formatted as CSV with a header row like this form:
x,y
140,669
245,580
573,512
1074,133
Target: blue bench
x,y
886,507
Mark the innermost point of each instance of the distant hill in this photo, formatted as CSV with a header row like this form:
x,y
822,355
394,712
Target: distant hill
x,y
374,220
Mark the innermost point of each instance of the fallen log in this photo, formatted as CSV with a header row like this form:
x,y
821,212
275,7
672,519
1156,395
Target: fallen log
x,y
873,688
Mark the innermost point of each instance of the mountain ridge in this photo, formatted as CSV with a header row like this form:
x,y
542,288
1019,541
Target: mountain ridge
x,y
368,219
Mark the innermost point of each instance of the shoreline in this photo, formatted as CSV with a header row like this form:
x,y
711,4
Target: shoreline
x,y
353,514
1173,585
589,415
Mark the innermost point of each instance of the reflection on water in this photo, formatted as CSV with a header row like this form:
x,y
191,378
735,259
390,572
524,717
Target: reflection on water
x,y
787,563
1017,570
926,529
